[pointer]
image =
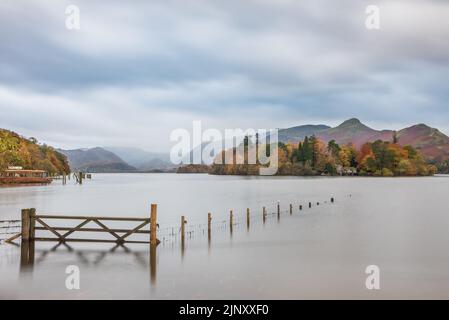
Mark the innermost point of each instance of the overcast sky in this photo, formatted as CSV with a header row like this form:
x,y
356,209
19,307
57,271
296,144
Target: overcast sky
x,y
136,70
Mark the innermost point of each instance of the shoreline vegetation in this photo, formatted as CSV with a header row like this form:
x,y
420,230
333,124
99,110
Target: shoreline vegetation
x,y
27,153
313,157
310,157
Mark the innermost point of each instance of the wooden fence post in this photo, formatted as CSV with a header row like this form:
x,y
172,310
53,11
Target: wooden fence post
x,y
26,220
32,223
291,208
209,222
310,204
28,230
183,228
247,218
264,214
81,177
153,264
153,224
209,226
231,219
279,210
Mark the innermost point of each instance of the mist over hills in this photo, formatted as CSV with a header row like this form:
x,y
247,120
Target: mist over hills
x,y
142,160
117,159
96,160
137,157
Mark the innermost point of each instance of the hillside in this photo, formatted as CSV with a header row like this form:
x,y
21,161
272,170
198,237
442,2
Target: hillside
x,y
300,132
432,143
27,153
355,132
97,160
143,160
313,156
157,164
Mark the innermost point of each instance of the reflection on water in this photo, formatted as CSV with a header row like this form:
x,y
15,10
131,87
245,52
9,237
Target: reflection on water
x,y
320,251
28,256
87,259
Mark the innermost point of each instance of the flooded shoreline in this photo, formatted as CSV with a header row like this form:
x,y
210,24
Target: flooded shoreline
x,y
321,252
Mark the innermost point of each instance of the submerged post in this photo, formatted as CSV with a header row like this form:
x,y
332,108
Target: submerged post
x,y
231,218
153,225
153,265
27,245
332,200
26,221
209,222
291,208
183,229
279,210
209,226
32,223
300,207
247,218
264,214
310,204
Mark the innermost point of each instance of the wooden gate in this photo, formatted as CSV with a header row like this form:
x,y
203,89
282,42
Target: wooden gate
x,y
32,222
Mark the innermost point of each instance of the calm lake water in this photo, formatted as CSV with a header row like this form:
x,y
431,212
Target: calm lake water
x,y
399,224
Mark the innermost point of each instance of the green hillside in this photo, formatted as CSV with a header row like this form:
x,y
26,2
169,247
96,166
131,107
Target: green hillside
x,y
27,153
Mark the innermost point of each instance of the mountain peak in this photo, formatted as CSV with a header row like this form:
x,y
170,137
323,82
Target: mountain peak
x,y
351,122
421,126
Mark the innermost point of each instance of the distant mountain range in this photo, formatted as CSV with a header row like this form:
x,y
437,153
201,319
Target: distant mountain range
x,y
143,160
117,159
96,160
432,143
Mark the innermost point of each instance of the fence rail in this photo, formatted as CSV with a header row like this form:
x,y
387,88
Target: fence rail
x,y
32,222
9,230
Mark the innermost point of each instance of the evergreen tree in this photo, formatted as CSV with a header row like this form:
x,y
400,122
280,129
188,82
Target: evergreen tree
x,y
313,142
333,148
395,137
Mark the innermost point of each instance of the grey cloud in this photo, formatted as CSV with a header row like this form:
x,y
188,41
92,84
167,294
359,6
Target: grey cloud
x,y
278,63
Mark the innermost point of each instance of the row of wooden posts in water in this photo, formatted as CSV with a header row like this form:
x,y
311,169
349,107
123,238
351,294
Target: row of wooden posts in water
x,y
79,177
248,218
32,222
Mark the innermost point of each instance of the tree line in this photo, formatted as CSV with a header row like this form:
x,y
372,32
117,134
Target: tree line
x,y
27,153
313,156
